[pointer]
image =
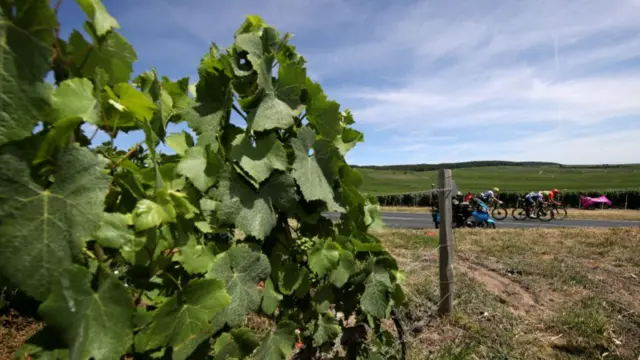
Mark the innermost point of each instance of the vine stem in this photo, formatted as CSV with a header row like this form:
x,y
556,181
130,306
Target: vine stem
x,y
95,132
127,155
235,108
56,31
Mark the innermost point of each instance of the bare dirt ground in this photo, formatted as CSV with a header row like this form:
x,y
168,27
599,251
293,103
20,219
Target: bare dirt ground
x,y
598,214
524,294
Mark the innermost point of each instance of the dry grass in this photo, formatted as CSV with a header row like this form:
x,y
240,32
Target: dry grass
x,y
525,294
608,214
15,330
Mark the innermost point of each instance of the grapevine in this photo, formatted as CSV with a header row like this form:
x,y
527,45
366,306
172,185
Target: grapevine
x,y
136,253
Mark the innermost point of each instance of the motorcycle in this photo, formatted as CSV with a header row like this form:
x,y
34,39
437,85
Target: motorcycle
x,y
480,217
464,215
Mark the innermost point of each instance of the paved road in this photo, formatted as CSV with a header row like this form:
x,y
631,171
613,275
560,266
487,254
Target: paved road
x,y
423,221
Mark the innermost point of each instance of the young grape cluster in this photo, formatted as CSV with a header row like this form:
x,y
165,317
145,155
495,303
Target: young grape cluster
x,y
303,245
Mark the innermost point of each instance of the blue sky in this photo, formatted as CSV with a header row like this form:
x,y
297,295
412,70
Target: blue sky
x,y
435,81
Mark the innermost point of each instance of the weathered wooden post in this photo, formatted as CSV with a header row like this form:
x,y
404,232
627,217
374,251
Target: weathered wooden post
x,y
446,239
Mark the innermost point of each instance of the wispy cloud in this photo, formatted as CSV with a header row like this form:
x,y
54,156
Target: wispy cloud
x,y
442,81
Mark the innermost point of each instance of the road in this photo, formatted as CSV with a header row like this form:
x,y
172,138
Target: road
x,y
423,221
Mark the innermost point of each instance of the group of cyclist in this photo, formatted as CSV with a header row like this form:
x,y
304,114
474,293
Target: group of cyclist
x,y
531,199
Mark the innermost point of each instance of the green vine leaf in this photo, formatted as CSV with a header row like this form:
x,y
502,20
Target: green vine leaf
x,y
346,267
277,345
307,172
259,161
99,16
241,268
271,298
375,298
237,344
328,329
195,257
26,36
213,102
272,113
252,211
113,54
74,99
114,230
180,142
95,324
149,214
290,277
195,165
134,101
185,315
42,230
323,257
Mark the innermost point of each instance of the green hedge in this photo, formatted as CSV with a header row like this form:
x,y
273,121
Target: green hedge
x,y
571,198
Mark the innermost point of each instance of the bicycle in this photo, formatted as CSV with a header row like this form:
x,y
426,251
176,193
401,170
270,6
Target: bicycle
x,y
523,212
559,209
545,212
498,211
540,211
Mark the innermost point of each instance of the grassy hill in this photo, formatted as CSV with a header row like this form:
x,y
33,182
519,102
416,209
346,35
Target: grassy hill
x,y
508,178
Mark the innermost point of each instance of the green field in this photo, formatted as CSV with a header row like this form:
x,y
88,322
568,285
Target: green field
x,y
507,178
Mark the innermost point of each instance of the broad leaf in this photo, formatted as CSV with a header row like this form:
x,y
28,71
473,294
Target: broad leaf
x,y
195,257
46,344
25,51
113,54
375,299
149,214
99,16
241,268
179,142
213,103
328,329
277,345
271,298
324,117
95,324
237,344
259,161
185,315
252,211
41,230
290,277
114,230
272,113
323,257
139,105
307,172
74,98
346,267
196,166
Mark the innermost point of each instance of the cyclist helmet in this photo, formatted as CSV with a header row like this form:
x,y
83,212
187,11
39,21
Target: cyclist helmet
x,y
555,191
495,189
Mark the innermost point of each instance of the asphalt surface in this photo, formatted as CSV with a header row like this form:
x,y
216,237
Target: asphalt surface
x,y
424,221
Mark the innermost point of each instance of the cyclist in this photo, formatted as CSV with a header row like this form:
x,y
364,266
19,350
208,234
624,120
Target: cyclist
x,y
550,194
533,198
489,196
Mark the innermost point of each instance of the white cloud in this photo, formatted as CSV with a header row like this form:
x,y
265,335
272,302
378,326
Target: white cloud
x,y
415,72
